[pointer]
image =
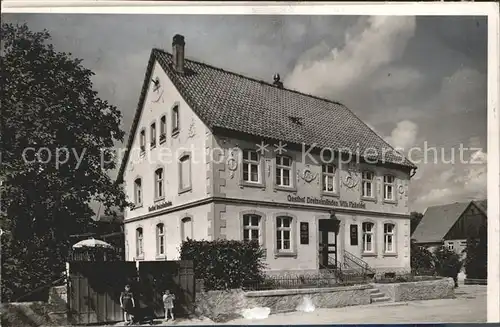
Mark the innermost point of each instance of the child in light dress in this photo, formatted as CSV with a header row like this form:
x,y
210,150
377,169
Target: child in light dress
x,y
168,303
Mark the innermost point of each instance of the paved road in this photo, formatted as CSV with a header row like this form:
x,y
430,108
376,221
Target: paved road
x,y
469,306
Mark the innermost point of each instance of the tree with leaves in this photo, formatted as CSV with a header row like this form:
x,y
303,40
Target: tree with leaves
x,y
56,138
415,218
447,263
476,259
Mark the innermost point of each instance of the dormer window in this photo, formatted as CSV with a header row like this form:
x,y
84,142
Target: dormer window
x,y
153,135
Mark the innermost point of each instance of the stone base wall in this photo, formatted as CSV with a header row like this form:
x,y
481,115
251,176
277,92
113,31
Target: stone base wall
x,y
419,290
226,305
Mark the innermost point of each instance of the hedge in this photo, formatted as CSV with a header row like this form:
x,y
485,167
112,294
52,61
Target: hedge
x,y
225,264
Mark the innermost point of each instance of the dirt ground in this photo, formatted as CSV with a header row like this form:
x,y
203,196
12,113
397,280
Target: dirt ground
x,y
469,306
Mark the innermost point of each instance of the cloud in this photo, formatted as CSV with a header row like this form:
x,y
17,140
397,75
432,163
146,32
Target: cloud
x,y
436,196
382,41
404,135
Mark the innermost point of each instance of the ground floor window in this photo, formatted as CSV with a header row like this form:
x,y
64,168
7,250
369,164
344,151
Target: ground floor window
x,y
251,228
283,233
389,238
451,246
186,228
139,242
368,233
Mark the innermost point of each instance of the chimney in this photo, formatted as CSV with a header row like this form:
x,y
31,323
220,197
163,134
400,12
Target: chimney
x,y
178,52
277,81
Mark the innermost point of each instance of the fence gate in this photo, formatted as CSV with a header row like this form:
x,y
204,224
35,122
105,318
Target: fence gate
x,y
94,290
176,276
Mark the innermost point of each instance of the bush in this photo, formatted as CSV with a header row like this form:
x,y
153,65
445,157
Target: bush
x,y
224,264
447,263
422,260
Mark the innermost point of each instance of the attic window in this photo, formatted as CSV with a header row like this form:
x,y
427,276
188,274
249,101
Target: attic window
x,y
296,120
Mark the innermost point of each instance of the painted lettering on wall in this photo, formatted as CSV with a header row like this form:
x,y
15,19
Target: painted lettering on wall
x,y
160,206
326,202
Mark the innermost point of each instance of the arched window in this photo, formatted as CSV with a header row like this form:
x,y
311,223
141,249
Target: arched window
x,y
160,239
185,173
186,228
138,192
142,140
139,242
159,193
389,233
163,129
368,237
175,119
153,135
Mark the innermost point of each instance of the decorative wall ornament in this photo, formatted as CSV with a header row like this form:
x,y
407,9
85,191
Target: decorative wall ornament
x,y
351,180
157,90
232,164
307,175
191,130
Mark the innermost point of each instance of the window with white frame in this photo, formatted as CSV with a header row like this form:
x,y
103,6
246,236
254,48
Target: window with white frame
x,y
142,140
251,228
138,192
451,246
160,239
251,166
185,172
389,234
389,187
283,171
328,178
159,184
368,237
367,184
284,234
163,128
175,119
153,135
187,228
139,242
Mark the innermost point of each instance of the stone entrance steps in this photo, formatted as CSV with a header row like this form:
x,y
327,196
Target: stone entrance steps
x,y
378,297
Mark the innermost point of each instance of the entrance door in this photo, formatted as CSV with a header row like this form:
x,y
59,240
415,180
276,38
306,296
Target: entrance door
x,y
327,244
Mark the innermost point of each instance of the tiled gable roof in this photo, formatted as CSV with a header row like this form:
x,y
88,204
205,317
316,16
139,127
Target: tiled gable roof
x,y
437,221
482,205
234,102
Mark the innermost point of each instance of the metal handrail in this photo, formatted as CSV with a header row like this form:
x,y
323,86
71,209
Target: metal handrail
x,y
359,262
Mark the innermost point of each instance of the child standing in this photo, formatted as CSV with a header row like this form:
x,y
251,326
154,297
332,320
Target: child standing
x,y
168,303
127,303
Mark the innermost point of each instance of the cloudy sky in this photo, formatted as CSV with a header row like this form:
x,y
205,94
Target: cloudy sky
x,y
414,80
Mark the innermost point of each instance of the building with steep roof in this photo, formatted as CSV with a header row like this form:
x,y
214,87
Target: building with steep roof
x,y
214,154
451,225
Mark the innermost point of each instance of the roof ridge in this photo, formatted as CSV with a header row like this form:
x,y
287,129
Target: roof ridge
x,y
255,79
286,89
